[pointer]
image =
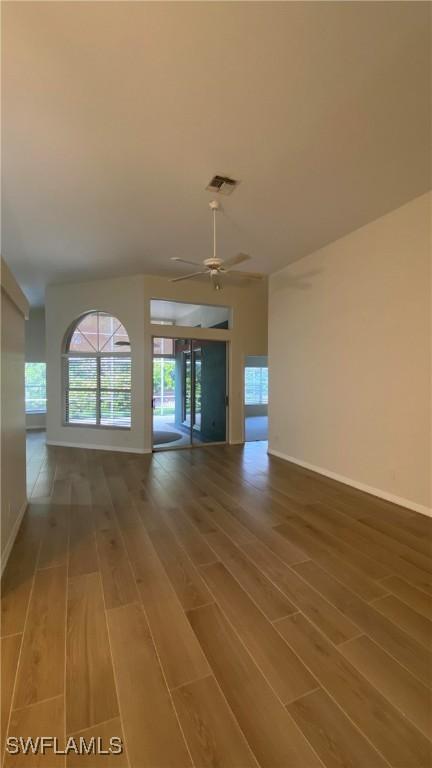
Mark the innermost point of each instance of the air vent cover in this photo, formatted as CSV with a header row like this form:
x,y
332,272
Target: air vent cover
x,y
222,184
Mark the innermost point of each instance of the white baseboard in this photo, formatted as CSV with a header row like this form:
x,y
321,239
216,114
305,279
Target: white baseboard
x,y
401,502
12,537
115,448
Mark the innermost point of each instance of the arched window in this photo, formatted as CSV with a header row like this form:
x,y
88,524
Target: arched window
x,y
97,372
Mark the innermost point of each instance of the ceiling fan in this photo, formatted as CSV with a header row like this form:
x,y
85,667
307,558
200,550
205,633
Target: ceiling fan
x,y
214,267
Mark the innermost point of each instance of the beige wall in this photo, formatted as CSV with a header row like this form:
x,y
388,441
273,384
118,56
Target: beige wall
x,y
35,421
13,454
128,299
350,354
35,336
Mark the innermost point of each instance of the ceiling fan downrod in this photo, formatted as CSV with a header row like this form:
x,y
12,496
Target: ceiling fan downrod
x,y
214,207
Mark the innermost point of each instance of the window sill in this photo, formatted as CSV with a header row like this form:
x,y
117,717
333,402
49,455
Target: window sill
x,y
35,413
98,426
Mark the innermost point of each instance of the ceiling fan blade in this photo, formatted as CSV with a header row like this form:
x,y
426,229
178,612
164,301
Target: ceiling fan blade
x,y
249,275
235,260
185,261
187,277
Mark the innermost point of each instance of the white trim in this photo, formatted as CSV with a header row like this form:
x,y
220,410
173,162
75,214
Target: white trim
x,y
92,446
401,502
12,537
13,291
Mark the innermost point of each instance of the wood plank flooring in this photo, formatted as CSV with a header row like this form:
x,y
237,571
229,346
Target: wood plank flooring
x,y
216,608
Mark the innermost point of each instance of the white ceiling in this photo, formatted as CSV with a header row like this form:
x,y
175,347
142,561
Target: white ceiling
x,y
116,115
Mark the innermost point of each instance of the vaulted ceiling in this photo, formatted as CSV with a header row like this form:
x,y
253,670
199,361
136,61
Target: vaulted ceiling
x,y
116,115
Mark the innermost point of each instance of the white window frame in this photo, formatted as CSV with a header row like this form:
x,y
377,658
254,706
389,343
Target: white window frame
x,y
98,390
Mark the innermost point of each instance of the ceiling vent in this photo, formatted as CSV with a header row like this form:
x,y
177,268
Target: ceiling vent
x,y
222,184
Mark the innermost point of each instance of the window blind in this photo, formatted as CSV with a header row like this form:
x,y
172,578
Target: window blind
x,y
97,390
115,395
256,386
115,372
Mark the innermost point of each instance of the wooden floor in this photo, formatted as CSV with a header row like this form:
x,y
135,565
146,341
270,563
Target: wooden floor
x,y
216,607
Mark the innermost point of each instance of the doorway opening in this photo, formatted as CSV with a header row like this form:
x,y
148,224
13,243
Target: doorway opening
x,y
189,392
256,397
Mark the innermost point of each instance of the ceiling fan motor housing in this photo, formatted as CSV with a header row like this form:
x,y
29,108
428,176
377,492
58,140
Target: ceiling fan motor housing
x,y
213,263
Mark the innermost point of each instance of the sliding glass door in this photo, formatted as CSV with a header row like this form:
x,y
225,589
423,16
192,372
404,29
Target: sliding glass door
x,y
209,391
172,393
189,392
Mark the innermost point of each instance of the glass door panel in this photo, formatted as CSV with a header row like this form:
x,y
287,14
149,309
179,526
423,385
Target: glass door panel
x,y
209,391
196,389
172,389
186,371
189,392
